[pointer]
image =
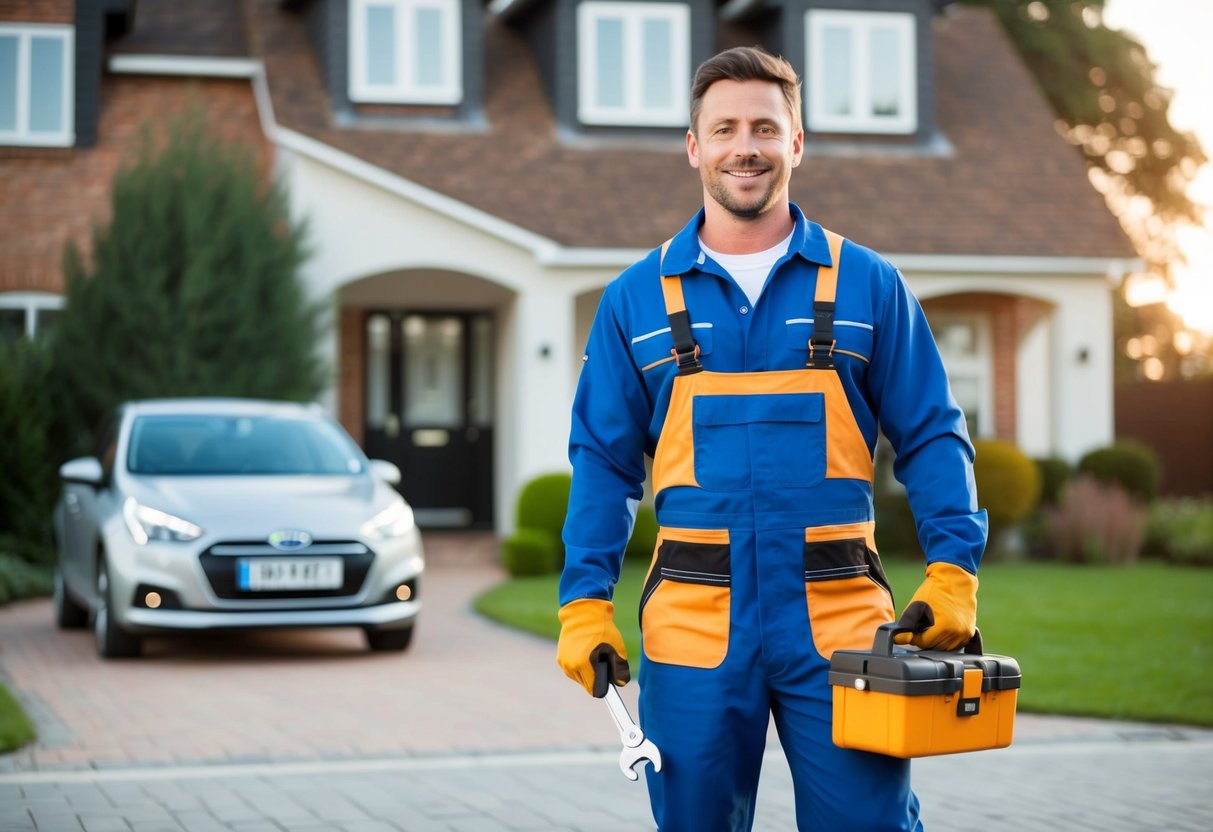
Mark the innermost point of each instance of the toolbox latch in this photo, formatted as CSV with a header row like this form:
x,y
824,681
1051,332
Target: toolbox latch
x,y
969,703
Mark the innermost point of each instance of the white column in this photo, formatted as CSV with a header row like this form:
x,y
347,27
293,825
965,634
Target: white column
x,y
542,346
1082,366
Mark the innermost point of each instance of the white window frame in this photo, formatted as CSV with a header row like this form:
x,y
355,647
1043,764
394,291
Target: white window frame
x,y
979,366
22,135
861,24
31,303
633,112
405,89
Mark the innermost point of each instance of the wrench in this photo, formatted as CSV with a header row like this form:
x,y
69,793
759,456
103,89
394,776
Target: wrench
x,y
636,749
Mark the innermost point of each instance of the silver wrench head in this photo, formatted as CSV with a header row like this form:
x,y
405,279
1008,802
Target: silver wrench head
x,y
631,757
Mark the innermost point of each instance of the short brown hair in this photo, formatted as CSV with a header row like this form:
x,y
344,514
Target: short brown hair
x,y
746,63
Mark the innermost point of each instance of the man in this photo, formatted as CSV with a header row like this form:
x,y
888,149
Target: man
x,y
753,358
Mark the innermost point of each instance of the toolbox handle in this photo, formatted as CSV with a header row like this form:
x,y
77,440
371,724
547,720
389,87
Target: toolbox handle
x,y
882,644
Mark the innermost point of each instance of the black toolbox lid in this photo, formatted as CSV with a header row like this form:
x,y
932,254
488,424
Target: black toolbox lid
x,y
909,672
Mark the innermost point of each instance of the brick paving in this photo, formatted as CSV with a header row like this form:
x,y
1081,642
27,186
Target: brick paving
x,y
473,729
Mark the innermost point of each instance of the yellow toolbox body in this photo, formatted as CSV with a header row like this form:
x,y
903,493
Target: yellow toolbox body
x,y
915,703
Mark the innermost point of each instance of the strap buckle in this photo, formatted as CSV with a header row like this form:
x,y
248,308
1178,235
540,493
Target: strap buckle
x,y
821,356
688,360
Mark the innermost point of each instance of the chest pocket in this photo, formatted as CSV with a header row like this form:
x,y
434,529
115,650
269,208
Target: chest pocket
x,y
854,339
653,349
775,438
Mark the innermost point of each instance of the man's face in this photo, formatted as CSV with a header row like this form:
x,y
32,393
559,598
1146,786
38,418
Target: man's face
x,y
745,146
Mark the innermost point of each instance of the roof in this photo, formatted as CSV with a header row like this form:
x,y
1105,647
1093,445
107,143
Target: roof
x,y
1011,186
212,29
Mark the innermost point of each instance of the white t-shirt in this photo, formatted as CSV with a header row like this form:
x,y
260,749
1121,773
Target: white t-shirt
x,y
749,271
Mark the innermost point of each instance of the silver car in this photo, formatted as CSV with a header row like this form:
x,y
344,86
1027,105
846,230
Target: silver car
x,y
204,514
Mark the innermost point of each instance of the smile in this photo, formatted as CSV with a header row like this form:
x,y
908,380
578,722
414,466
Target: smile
x,y
745,174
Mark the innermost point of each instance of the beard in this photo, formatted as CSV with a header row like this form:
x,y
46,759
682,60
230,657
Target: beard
x,y
746,206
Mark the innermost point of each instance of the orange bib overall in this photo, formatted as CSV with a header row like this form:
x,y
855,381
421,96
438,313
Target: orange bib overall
x,y
765,565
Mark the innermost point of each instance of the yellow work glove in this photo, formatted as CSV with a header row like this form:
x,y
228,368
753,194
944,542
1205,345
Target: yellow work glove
x,y
942,615
588,635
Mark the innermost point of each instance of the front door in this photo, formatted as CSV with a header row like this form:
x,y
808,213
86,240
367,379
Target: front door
x,y
429,409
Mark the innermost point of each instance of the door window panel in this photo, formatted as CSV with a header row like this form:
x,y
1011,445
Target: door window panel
x,y
964,346
480,408
433,371
378,370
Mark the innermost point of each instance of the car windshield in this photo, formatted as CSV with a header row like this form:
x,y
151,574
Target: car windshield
x,y
224,445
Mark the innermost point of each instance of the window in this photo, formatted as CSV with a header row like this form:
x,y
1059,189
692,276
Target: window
x,y
405,52
633,63
862,72
28,314
36,84
964,346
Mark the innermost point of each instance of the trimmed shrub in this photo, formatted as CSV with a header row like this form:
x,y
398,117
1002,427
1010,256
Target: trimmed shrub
x,y
644,536
1008,482
29,483
1096,522
1130,465
1181,530
530,552
20,579
542,504
1055,472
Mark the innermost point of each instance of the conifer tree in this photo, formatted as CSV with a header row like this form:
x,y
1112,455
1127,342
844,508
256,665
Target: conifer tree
x,y
191,289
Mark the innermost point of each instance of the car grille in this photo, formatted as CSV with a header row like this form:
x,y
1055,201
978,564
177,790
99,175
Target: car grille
x,y
219,564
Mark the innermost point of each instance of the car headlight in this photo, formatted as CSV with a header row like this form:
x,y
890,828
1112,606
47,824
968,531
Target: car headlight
x,y
149,524
393,521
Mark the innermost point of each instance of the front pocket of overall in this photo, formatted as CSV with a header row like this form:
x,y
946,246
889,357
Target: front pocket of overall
x,y
765,438
684,609
848,593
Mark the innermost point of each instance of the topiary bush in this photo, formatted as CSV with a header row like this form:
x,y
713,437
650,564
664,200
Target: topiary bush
x,y
1130,465
644,536
1055,472
1008,482
542,504
530,552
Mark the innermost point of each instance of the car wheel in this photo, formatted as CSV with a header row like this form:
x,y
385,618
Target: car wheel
x,y
112,641
68,614
398,639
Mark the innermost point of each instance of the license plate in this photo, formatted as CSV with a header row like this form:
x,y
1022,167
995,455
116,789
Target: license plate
x,y
265,574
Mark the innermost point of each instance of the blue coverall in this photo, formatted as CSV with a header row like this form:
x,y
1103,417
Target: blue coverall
x,y
765,561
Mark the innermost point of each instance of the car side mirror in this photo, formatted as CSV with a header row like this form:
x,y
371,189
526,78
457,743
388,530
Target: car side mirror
x,y
85,471
386,471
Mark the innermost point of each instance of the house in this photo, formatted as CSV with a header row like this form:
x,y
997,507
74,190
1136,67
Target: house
x,y
474,175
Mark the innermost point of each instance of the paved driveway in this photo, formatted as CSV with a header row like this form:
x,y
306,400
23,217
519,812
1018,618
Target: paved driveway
x,y
473,729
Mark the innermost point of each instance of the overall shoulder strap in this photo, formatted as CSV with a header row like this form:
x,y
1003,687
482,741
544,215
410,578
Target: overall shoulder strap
x,y
821,342
686,351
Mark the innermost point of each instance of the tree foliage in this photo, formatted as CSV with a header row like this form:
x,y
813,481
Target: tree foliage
x,y
1103,88
191,289
1101,84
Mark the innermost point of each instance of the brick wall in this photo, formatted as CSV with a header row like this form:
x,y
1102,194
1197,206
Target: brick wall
x,y
38,11
51,196
1010,318
1175,419
350,370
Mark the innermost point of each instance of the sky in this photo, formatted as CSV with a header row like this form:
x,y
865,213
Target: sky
x,y
1177,34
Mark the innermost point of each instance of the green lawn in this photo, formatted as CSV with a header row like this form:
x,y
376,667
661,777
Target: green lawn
x,y
15,728
1129,643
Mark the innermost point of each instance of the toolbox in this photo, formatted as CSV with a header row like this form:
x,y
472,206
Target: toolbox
x,y
906,702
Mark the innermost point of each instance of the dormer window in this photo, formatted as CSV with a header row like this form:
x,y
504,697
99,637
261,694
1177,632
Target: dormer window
x,y
405,52
862,72
37,90
633,64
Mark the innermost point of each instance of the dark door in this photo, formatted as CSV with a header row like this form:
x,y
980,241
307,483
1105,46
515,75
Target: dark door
x,y
429,409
